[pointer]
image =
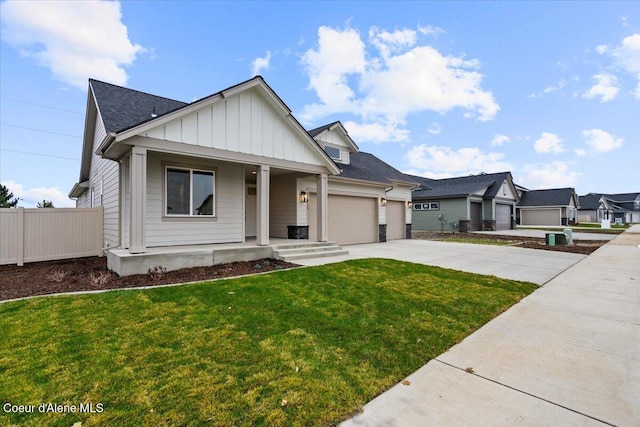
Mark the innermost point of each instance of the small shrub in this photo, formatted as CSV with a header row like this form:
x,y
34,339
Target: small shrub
x,y
266,263
157,272
57,275
279,267
99,278
257,266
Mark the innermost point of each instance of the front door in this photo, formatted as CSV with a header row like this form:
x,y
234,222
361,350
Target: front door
x,y
250,206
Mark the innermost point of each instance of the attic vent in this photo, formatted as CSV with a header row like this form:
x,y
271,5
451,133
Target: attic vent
x,y
154,115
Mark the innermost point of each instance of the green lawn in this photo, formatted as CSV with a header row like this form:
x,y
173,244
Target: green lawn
x,y
325,339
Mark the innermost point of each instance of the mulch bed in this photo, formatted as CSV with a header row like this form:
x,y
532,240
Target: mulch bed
x,y
584,247
90,274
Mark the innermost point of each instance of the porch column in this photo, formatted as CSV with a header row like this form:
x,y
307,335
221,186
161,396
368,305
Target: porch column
x,y
138,182
323,204
262,205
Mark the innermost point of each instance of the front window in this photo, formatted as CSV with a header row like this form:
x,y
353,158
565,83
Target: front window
x,y
333,152
190,192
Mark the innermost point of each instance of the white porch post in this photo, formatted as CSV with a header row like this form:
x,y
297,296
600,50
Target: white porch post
x,y
138,182
262,199
323,203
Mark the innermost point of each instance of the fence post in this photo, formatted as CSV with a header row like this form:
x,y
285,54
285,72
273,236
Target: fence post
x,y
20,237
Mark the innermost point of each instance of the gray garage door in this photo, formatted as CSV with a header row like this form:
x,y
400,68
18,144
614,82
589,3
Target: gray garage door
x,y
351,219
395,220
503,217
540,217
476,216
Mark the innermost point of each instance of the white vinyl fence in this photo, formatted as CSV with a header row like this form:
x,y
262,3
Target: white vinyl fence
x,y
42,234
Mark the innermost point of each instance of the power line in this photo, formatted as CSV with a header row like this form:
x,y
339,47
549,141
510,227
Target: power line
x,y
38,154
40,130
41,105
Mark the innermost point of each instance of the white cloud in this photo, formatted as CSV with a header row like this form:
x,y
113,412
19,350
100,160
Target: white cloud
x,y
549,89
74,39
548,143
430,31
602,48
581,152
397,78
377,133
439,161
606,87
550,175
260,64
29,198
499,140
435,128
601,141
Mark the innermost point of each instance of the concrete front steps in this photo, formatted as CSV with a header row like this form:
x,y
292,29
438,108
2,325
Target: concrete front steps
x,y
307,250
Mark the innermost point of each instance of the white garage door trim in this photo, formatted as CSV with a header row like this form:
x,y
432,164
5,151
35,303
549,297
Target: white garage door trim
x,y
540,216
351,219
503,216
395,220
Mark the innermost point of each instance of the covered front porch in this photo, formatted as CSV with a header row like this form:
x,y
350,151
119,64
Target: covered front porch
x,y
125,263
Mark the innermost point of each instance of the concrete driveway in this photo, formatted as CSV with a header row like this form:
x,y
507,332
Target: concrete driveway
x,y
566,355
508,262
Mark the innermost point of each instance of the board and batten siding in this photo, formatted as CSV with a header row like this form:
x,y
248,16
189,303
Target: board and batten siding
x,y
335,139
244,123
282,205
453,209
104,179
226,226
488,209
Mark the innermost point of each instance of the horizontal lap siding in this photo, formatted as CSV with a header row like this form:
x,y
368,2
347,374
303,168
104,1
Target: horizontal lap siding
x,y
103,177
227,226
454,209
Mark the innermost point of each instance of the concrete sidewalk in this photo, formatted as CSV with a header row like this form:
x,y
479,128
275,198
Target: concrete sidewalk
x,y
568,354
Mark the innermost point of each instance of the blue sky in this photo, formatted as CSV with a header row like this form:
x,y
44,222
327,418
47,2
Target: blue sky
x,y
547,90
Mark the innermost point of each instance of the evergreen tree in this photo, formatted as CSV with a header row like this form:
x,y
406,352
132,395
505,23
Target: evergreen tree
x,y
6,198
46,204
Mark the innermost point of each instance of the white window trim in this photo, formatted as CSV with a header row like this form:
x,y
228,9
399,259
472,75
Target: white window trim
x,y
336,148
191,171
425,206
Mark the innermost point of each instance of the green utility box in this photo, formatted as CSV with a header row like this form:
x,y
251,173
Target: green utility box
x,y
552,239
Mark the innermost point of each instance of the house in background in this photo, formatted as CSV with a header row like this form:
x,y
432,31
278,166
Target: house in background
x,y
594,207
556,206
469,203
235,166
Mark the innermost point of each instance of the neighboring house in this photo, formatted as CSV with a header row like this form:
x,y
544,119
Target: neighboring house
x,y
228,167
594,207
469,203
556,206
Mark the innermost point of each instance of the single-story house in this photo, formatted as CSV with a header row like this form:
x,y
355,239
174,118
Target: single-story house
x,y
477,202
231,167
594,207
555,206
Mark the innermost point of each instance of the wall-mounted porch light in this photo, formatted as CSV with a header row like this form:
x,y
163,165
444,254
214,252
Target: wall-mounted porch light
x,y
304,197
383,202
409,204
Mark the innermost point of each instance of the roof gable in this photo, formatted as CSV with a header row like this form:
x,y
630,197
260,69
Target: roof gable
x,y
335,134
549,197
487,185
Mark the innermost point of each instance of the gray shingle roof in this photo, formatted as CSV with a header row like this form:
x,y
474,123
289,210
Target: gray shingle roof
x,y
590,201
460,186
549,197
368,167
122,108
316,131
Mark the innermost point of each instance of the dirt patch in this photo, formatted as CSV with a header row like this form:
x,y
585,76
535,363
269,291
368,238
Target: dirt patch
x,y
88,274
584,247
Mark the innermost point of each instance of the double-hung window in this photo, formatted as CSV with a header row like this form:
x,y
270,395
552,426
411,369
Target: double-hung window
x,y
190,192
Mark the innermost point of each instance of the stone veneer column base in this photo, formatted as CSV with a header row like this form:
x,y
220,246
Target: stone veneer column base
x,y
408,231
382,233
489,225
464,225
297,231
